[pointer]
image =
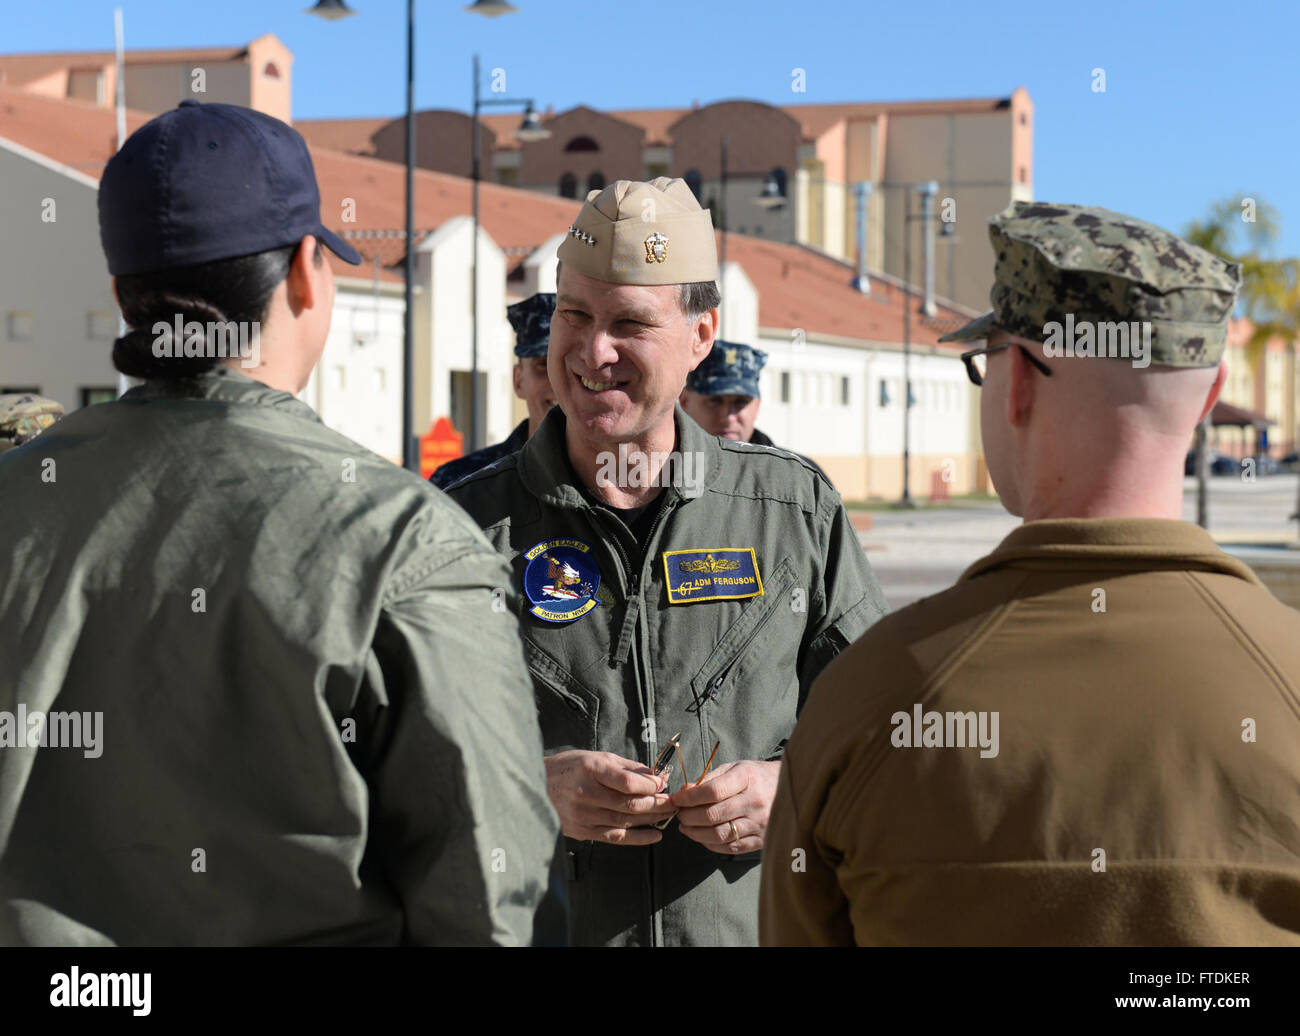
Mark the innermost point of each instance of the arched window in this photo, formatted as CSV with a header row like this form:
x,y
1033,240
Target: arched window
x,y
581,144
692,179
568,186
596,182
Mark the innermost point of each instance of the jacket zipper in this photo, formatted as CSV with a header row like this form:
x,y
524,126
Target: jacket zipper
x,y
633,580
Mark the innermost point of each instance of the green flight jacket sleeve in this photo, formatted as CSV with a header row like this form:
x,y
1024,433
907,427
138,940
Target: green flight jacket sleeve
x,y
461,821
848,601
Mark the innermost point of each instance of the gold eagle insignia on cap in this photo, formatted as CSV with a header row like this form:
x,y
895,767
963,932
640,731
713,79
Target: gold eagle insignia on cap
x,y
656,248
730,357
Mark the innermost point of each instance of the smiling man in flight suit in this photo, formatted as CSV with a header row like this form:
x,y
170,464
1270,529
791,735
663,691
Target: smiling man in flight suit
x,y
1091,738
672,582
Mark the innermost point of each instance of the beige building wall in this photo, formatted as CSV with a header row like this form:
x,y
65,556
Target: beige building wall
x,y
58,318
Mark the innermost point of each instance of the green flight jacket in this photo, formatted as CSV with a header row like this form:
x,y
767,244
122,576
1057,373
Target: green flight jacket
x,y
315,724
735,671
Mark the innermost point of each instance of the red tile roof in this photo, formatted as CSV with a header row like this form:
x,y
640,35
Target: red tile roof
x,y
814,119
798,287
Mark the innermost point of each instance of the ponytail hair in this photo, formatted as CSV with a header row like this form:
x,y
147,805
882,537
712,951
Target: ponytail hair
x,y
226,291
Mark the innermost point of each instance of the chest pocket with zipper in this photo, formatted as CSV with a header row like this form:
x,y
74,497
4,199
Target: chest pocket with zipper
x,y
747,690
567,711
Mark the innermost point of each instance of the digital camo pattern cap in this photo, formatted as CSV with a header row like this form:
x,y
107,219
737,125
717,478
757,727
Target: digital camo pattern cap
x,y
531,320
1101,267
642,233
24,416
730,369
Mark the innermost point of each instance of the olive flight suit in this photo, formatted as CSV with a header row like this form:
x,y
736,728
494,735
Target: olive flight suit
x,y
728,655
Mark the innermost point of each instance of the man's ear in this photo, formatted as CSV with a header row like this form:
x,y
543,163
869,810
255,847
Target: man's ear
x,y
519,379
1213,396
1020,391
705,333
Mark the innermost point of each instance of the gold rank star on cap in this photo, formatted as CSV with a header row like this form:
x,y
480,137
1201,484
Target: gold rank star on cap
x,y
624,232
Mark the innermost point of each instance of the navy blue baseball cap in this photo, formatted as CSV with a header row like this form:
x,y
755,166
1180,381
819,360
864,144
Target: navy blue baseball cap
x,y
730,369
204,182
531,320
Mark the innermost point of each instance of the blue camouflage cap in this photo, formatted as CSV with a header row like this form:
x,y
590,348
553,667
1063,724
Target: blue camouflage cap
x,y
730,369
531,320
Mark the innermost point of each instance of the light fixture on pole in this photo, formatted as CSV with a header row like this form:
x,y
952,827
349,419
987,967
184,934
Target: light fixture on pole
x,y
927,191
491,8
331,10
531,129
771,198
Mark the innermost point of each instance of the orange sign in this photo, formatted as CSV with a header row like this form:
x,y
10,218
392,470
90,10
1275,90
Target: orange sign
x,y
441,444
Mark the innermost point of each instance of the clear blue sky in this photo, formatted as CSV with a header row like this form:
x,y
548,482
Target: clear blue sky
x,y
1200,102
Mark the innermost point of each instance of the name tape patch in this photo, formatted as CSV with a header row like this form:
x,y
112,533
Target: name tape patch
x,y
711,574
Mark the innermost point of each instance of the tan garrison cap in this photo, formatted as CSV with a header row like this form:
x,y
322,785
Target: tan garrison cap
x,y
642,233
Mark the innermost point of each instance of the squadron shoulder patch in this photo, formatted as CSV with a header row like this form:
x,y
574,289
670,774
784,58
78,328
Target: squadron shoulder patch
x,y
711,574
561,580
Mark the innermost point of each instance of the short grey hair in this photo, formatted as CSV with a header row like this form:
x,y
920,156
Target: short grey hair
x,y
696,298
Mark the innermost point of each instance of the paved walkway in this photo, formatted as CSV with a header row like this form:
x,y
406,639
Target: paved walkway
x,y
917,553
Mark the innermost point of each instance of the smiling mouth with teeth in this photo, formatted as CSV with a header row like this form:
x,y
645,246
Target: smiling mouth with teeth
x,y
599,386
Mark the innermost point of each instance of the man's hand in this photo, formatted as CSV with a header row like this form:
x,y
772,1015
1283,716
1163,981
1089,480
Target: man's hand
x,y
738,794
602,797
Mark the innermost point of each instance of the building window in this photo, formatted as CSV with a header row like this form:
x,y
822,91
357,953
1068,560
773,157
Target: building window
x,y
508,176
778,177
101,327
270,71
1024,175
581,144
596,182
844,391
654,170
692,179
785,386
91,396
884,393
568,186
20,390
18,326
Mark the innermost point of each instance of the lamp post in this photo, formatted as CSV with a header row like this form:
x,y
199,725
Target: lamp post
x,y
332,10
529,130
927,191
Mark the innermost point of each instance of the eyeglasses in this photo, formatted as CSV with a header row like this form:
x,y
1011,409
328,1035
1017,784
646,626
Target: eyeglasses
x,y
661,764
977,361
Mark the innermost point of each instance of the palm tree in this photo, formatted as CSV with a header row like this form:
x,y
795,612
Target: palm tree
x,y
1270,292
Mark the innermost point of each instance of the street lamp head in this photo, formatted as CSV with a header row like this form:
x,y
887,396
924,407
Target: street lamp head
x,y
331,10
949,229
928,189
491,8
771,198
531,128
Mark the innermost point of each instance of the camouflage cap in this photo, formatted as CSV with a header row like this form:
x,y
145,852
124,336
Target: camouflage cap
x,y
24,416
531,320
730,369
1074,265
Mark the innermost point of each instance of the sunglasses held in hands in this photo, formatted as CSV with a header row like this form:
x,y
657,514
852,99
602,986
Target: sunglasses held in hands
x,y
674,745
